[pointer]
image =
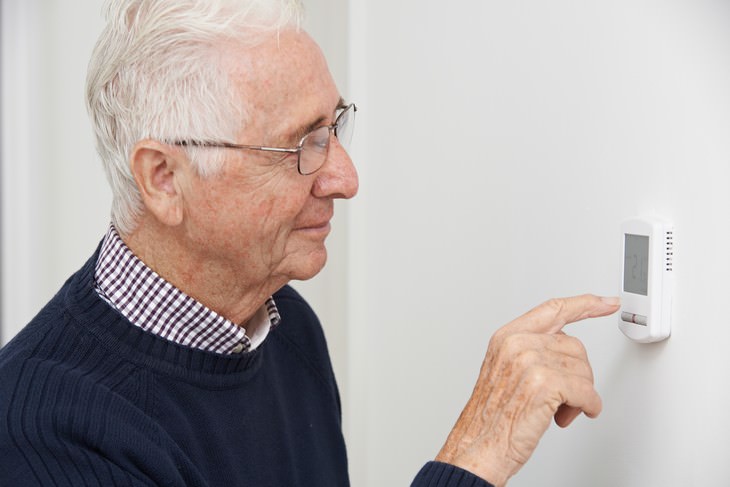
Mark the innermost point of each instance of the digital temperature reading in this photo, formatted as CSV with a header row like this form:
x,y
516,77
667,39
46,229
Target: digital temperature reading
x,y
647,279
636,264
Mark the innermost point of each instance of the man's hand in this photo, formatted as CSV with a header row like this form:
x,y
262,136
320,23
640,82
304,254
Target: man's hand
x,y
532,372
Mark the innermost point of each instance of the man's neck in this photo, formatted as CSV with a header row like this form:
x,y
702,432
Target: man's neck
x,y
217,285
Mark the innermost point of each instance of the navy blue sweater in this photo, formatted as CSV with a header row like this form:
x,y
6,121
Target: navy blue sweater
x,y
86,398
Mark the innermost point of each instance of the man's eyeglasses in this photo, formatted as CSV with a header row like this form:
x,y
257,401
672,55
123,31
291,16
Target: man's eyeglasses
x,y
312,149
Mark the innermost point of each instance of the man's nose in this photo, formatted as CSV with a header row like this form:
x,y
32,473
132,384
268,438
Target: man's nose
x,y
337,178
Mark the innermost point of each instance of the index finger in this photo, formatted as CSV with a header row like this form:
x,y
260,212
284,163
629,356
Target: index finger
x,y
551,316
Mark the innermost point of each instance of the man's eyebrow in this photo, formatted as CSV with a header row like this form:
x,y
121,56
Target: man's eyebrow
x,y
304,130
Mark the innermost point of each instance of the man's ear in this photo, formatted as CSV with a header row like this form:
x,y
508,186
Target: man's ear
x,y
159,171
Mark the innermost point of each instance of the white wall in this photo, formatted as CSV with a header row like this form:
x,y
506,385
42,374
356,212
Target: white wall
x,y
55,199
499,145
505,141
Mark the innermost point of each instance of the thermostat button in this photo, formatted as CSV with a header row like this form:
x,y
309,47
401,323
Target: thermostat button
x,y
633,318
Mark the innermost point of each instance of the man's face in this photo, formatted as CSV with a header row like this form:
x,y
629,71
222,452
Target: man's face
x,y
258,218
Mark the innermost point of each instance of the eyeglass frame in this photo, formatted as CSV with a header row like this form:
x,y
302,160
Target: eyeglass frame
x,y
288,150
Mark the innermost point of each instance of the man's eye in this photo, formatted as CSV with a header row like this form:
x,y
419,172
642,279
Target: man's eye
x,y
316,144
318,140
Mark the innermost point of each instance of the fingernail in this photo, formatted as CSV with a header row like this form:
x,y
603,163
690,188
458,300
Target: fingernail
x,y
612,301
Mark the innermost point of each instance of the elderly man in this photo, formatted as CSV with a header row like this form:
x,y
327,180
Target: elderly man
x,y
177,355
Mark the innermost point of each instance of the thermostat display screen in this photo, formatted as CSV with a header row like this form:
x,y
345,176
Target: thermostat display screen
x,y
636,264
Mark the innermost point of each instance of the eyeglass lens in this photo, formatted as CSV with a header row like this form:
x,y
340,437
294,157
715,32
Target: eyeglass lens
x,y
315,146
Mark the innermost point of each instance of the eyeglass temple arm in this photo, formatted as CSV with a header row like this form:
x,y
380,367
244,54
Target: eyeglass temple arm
x,y
228,145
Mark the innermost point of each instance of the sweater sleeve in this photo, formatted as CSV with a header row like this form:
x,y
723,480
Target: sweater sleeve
x,y
33,465
437,474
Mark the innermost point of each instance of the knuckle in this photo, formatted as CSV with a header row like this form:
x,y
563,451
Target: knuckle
x,y
555,306
573,346
499,336
537,378
589,373
515,345
526,359
512,343
583,386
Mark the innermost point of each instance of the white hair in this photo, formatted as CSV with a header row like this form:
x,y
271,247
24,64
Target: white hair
x,y
157,72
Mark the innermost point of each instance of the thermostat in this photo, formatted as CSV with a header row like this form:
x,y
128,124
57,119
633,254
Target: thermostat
x,y
646,279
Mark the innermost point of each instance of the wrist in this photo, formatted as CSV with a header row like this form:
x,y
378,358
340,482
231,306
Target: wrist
x,y
481,467
440,474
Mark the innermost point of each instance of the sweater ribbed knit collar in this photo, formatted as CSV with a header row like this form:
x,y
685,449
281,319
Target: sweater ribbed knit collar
x,y
211,370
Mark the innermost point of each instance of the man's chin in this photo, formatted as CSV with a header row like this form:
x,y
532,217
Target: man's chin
x,y
310,265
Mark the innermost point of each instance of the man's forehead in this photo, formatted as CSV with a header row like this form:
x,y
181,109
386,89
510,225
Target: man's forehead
x,y
283,71
283,81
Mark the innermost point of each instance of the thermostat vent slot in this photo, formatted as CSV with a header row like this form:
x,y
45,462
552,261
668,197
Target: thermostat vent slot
x,y
669,240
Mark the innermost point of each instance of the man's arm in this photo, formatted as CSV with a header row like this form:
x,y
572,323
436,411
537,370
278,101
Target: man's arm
x,y
531,373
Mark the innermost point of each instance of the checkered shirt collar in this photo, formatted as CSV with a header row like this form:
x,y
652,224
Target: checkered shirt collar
x,y
150,302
